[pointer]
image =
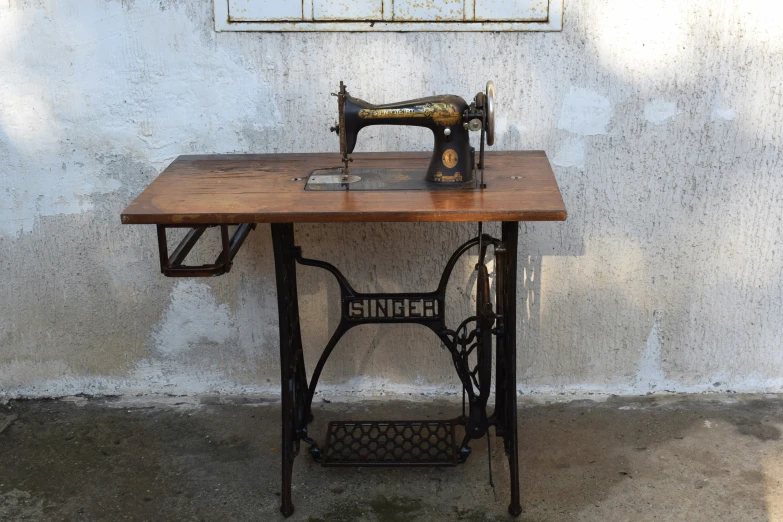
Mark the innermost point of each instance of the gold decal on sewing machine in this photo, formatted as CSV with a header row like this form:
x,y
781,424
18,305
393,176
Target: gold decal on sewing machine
x,y
450,158
441,113
456,178
372,308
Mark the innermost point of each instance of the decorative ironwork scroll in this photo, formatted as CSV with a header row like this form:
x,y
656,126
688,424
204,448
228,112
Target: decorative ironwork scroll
x,y
470,344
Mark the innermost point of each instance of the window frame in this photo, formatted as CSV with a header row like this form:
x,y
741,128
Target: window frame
x,y
223,22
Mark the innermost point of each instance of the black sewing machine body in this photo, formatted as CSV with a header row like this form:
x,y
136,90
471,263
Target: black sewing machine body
x,y
451,157
449,117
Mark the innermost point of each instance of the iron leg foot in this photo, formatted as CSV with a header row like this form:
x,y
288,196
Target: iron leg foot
x,y
514,510
288,509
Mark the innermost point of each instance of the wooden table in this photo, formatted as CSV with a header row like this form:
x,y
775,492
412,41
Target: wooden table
x,y
243,190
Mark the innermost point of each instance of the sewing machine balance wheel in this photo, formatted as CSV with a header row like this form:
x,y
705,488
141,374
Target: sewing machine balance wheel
x,y
490,113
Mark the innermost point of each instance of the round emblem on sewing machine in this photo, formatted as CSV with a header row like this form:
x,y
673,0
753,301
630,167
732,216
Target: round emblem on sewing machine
x,y
450,158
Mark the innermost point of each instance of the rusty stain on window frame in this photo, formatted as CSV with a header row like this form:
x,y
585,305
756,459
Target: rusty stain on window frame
x,y
308,23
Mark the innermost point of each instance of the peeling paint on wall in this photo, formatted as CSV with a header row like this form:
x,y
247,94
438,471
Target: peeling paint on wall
x,y
571,154
723,114
194,319
650,373
658,112
585,112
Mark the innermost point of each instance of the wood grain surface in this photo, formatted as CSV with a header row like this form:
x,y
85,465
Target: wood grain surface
x,y
269,188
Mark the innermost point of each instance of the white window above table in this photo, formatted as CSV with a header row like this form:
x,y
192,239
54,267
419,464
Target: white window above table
x,y
388,15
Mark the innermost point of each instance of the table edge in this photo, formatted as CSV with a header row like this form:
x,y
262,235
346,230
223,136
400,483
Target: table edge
x,y
376,217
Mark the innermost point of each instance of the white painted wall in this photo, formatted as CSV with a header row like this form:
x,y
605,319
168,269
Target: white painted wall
x,y
663,119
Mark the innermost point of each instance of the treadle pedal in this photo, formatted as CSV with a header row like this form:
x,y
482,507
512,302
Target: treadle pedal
x,y
391,443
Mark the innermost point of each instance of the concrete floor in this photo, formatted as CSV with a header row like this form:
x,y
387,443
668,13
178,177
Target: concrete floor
x,y
675,458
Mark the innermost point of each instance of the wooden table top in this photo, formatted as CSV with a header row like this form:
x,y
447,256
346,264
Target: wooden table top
x,y
261,188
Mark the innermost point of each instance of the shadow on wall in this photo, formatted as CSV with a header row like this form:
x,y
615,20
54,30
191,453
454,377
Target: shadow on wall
x,y
671,196
649,115
410,257
518,96
610,296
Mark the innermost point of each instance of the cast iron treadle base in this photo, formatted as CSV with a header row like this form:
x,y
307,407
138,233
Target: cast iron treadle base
x,y
391,443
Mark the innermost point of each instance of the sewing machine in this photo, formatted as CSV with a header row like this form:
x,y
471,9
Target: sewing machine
x,y
240,191
449,117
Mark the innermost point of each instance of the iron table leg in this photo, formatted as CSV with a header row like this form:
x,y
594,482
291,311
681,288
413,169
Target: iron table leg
x,y
510,239
294,386
291,361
